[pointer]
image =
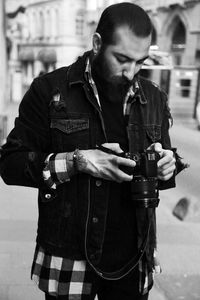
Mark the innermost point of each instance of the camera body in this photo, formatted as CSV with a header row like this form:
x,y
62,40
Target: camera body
x,y
144,186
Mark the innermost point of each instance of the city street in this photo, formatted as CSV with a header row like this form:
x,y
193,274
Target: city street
x,y
186,139
178,241
163,39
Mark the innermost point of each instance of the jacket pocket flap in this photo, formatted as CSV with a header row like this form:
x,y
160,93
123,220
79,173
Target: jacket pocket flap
x,y
70,125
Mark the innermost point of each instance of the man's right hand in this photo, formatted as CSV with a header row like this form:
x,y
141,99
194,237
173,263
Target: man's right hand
x,y
103,165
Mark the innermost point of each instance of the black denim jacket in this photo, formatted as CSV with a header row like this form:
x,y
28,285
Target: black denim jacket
x,y
59,113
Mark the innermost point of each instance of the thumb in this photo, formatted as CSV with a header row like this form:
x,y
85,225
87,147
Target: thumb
x,y
157,147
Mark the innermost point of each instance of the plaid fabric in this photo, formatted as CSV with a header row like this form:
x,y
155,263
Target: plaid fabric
x,y
61,276
56,169
129,98
88,75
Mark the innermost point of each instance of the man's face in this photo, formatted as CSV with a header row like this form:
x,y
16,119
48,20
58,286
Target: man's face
x,y
120,61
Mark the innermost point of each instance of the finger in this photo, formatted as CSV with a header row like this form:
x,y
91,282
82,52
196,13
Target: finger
x,y
166,160
115,174
166,169
125,162
118,174
165,177
164,172
113,146
121,176
166,166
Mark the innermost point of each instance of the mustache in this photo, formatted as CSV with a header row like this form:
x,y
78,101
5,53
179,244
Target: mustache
x,y
122,81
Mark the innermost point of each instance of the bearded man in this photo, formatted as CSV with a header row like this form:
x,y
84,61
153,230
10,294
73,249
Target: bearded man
x,y
84,137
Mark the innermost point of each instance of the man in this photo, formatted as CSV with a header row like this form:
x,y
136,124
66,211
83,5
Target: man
x,y
70,138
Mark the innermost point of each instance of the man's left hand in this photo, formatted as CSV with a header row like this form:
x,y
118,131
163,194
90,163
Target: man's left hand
x,y
167,162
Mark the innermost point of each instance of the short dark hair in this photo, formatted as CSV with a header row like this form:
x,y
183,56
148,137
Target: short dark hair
x,y
123,14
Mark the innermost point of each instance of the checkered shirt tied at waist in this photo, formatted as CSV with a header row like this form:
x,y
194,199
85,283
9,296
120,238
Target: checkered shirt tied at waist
x,y
61,276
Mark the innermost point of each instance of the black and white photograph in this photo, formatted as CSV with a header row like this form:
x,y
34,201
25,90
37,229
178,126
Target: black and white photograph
x,y
100,150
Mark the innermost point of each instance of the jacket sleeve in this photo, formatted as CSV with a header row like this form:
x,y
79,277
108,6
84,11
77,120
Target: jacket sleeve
x,y
165,140
166,144
22,157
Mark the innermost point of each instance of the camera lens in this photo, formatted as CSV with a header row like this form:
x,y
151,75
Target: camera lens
x,y
144,192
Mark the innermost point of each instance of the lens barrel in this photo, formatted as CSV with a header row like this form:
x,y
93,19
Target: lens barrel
x,y
144,192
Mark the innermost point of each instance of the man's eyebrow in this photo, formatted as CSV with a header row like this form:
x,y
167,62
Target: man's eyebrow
x,y
129,58
123,55
144,58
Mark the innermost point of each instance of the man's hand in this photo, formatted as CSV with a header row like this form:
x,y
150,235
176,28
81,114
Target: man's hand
x,y
103,165
166,164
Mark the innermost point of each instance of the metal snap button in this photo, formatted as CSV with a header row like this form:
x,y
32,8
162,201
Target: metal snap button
x,y
95,220
98,183
47,196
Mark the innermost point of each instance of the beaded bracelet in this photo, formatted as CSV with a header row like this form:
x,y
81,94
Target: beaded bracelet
x,y
75,160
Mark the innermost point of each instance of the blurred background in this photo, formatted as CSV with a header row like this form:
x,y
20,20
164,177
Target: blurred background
x,y
39,36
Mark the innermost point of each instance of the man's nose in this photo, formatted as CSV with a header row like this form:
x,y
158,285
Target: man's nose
x,y
129,71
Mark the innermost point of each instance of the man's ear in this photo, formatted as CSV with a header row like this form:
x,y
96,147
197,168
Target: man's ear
x,y
96,43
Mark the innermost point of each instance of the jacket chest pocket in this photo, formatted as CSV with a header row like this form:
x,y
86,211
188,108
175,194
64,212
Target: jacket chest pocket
x,y
69,134
142,136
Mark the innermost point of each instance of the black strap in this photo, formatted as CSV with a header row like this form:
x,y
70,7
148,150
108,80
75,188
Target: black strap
x,y
128,267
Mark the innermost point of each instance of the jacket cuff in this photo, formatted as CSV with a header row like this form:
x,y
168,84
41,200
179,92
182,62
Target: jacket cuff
x,y
56,169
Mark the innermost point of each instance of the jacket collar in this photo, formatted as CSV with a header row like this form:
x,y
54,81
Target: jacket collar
x,y
76,72
140,95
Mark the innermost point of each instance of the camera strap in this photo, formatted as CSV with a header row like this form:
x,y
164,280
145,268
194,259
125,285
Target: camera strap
x,y
126,269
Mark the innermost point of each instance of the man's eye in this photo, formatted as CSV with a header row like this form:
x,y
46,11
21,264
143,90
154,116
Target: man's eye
x,y
140,62
121,59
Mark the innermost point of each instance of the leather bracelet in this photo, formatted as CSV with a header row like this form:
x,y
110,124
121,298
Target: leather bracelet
x,y
75,160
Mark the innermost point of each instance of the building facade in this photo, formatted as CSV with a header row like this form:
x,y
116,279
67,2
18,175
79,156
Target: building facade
x,y
48,34
177,31
51,33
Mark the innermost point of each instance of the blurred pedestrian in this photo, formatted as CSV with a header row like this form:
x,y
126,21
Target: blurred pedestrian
x,y
93,138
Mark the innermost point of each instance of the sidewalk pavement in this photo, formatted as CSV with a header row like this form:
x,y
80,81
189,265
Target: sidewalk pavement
x,y
178,248
178,252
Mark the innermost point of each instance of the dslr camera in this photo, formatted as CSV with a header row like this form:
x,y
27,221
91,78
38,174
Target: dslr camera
x,y
144,186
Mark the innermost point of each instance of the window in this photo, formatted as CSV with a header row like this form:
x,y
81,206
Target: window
x,y
177,59
80,23
185,85
178,41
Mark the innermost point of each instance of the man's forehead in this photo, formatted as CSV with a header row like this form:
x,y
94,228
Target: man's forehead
x,y
124,32
126,43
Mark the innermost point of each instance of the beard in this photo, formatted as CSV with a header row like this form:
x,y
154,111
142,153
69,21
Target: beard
x,y
112,87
